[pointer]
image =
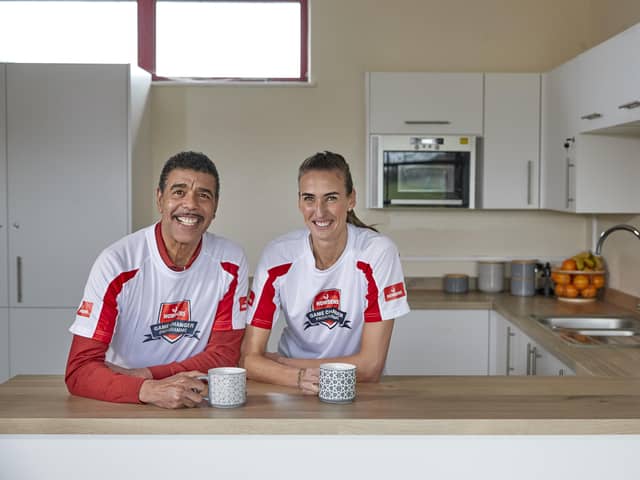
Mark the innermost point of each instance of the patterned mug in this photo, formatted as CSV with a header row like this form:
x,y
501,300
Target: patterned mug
x,y
337,382
227,387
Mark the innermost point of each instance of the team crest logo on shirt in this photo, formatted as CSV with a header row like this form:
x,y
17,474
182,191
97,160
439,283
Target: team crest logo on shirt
x,y
325,310
174,322
393,292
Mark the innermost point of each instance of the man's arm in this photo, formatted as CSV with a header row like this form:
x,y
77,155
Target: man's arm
x,y
223,350
87,375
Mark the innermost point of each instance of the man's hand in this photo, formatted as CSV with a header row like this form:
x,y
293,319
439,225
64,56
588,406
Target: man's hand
x,y
178,391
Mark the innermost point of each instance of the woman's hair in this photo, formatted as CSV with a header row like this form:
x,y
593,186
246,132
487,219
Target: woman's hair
x,y
329,161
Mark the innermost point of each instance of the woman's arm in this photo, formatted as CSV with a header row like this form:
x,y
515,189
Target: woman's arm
x,y
263,369
369,361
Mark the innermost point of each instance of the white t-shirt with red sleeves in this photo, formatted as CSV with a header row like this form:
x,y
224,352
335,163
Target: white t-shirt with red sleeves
x,y
326,310
150,314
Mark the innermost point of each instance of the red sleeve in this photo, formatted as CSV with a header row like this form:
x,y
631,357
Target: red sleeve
x,y
223,350
88,376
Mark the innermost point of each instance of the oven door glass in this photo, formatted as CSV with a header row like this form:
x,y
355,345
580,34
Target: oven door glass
x,y
426,178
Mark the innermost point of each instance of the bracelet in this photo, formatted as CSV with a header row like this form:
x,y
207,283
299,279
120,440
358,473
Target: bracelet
x,y
300,374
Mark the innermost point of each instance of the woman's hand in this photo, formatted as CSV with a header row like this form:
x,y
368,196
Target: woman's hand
x,y
308,379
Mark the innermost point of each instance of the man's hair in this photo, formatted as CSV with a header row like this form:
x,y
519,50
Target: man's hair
x,y
189,161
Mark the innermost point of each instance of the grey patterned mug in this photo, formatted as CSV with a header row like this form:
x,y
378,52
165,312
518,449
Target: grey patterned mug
x,y
337,382
227,387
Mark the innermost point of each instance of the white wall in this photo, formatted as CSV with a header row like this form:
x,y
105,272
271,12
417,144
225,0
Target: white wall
x,y
258,135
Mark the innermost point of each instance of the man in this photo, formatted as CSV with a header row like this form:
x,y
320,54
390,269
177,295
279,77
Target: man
x,y
164,304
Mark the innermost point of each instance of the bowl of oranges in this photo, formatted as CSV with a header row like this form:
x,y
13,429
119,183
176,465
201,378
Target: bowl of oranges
x,y
579,278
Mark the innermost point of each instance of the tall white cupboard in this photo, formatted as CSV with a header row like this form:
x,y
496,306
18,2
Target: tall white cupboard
x,y
68,134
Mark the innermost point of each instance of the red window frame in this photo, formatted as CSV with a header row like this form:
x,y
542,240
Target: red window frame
x,y
147,39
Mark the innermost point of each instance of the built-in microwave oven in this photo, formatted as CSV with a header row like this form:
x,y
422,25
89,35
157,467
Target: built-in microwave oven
x,y
421,170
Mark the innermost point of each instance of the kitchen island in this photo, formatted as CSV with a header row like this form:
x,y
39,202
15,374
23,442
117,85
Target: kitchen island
x,y
451,427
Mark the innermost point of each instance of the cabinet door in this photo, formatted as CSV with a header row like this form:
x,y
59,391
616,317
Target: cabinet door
x,y
440,342
4,344
505,347
542,363
437,103
559,126
4,273
610,94
68,173
39,339
511,141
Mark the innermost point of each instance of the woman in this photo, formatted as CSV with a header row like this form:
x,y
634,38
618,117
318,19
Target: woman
x,y
338,282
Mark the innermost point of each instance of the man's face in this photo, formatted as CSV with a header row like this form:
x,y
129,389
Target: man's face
x,y
188,205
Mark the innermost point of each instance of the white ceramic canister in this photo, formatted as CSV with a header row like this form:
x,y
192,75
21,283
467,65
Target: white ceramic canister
x,y
490,276
523,277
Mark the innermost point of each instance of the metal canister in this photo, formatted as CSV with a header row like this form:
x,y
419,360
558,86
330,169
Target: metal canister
x,y
523,277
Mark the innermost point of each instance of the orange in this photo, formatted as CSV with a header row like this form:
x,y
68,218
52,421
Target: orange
x,y
569,264
559,290
589,292
580,281
563,279
597,281
570,291
554,276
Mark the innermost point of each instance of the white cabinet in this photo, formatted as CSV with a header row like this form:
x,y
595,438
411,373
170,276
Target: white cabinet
x,y
514,353
4,344
4,273
590,173
583,173
68,154
505,343
70,137
40,340
609,88
440,342
436,103
510,161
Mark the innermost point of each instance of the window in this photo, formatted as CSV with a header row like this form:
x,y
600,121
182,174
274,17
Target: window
x,y
68,32
230,39
200,39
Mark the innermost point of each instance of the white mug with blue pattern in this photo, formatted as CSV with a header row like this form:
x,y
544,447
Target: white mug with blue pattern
x,y
337,382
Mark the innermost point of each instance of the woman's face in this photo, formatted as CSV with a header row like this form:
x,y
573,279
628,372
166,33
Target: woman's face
x,y
324,203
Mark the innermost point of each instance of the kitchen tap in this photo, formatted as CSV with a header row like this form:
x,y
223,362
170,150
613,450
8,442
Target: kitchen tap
x,y
608,231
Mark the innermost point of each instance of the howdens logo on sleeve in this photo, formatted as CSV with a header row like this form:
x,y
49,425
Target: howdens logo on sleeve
x,y
393,292
325,310
174,322
85,309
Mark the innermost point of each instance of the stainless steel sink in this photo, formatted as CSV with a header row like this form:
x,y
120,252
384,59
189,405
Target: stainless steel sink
x,y
591,323
594,330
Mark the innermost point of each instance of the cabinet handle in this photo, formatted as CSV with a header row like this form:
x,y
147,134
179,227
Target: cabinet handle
x,y
529,170
427,122
591,116
19,275
561,372
509,368
630,105
568,183
532,358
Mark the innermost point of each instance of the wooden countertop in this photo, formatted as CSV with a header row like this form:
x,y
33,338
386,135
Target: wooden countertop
x,y
584,360
397,405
